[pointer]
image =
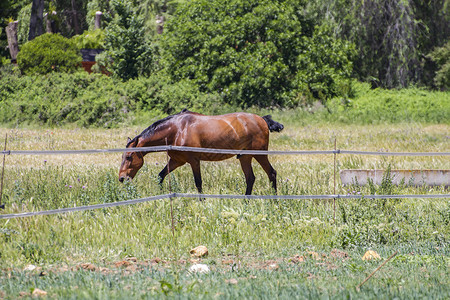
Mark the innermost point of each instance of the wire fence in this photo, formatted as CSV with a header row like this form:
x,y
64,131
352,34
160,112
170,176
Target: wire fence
x,y
207,196
222,196
218,151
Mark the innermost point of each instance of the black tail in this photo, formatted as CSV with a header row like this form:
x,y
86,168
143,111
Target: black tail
x,y
273,125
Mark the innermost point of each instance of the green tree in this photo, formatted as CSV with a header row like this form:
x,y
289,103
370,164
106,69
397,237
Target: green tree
x,y
128,50
248,51
392,37
441,56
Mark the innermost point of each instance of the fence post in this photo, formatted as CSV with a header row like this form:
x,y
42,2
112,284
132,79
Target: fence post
x,y
2,206
13,45
98,20
334,183
170,190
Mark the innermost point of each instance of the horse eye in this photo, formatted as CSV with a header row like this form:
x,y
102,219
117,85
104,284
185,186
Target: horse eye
x,y
128,158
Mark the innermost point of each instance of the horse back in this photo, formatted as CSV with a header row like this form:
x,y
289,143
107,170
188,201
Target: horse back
x,y
241,131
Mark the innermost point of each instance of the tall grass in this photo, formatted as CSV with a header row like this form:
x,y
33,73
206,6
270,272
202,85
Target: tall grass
x,y
250,232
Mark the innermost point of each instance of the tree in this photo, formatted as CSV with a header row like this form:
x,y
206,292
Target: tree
x,y
128,51
392,37
441,56
36,19
248,51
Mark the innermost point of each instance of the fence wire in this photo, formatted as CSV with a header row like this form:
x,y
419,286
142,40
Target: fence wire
x,y
211,196
218,151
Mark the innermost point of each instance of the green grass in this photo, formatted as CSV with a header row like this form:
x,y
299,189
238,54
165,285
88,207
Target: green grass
x,y
253,242
410,275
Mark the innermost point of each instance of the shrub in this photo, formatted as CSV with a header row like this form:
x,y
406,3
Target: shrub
x,y
323,68
48,53
87,100
390,106
94,39
441,56
57,99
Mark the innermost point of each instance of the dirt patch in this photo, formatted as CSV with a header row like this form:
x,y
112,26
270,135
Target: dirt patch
x,y
226,263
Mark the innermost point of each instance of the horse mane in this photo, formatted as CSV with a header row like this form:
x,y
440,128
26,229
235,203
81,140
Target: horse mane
x,y
149,130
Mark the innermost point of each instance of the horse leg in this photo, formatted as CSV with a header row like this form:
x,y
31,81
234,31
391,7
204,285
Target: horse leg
x,y
195,165
172,165
246,165
271,173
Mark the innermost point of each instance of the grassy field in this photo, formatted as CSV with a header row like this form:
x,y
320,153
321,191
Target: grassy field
x,y
257,249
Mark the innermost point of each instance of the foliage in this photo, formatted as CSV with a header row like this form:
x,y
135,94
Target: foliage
x,y
380,105
158,96
129,52
24,24
48,53
250,52
156,12
324,67
441,56
95,100
392,37
98,5
79,98
90,39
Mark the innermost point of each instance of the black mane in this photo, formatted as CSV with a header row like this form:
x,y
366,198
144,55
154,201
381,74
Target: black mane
x,y
149,130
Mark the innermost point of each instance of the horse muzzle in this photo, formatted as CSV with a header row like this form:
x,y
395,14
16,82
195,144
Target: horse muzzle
x,y
123,178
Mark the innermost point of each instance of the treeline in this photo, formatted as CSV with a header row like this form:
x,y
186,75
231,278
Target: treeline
x,y
269,53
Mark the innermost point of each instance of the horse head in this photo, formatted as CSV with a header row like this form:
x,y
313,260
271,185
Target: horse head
x,y
131,161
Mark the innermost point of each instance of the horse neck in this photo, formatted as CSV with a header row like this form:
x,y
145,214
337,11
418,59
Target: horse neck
x,y
160,137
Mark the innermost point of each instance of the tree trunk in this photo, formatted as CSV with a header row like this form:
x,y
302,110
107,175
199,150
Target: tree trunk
x,y
75,18
13,45
36,19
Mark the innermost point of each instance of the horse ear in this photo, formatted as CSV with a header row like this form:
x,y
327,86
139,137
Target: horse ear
x,y
128,140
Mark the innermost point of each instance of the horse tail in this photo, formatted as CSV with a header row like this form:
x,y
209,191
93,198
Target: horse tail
x,y
273,125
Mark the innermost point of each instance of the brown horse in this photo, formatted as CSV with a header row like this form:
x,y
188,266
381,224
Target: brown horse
x,y
238,131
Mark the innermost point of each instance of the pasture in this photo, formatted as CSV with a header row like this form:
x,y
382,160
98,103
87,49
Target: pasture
x,y
257,248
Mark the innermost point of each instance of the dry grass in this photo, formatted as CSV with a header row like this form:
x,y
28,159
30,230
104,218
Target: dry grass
x,y
394,138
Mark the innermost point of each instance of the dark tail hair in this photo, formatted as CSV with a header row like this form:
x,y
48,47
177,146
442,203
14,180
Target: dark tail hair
x,y
273,125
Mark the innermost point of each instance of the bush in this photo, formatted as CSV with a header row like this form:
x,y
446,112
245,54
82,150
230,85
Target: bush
x,y
159,96
48,53
87,100
441,56
57,99
94,39
391,106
